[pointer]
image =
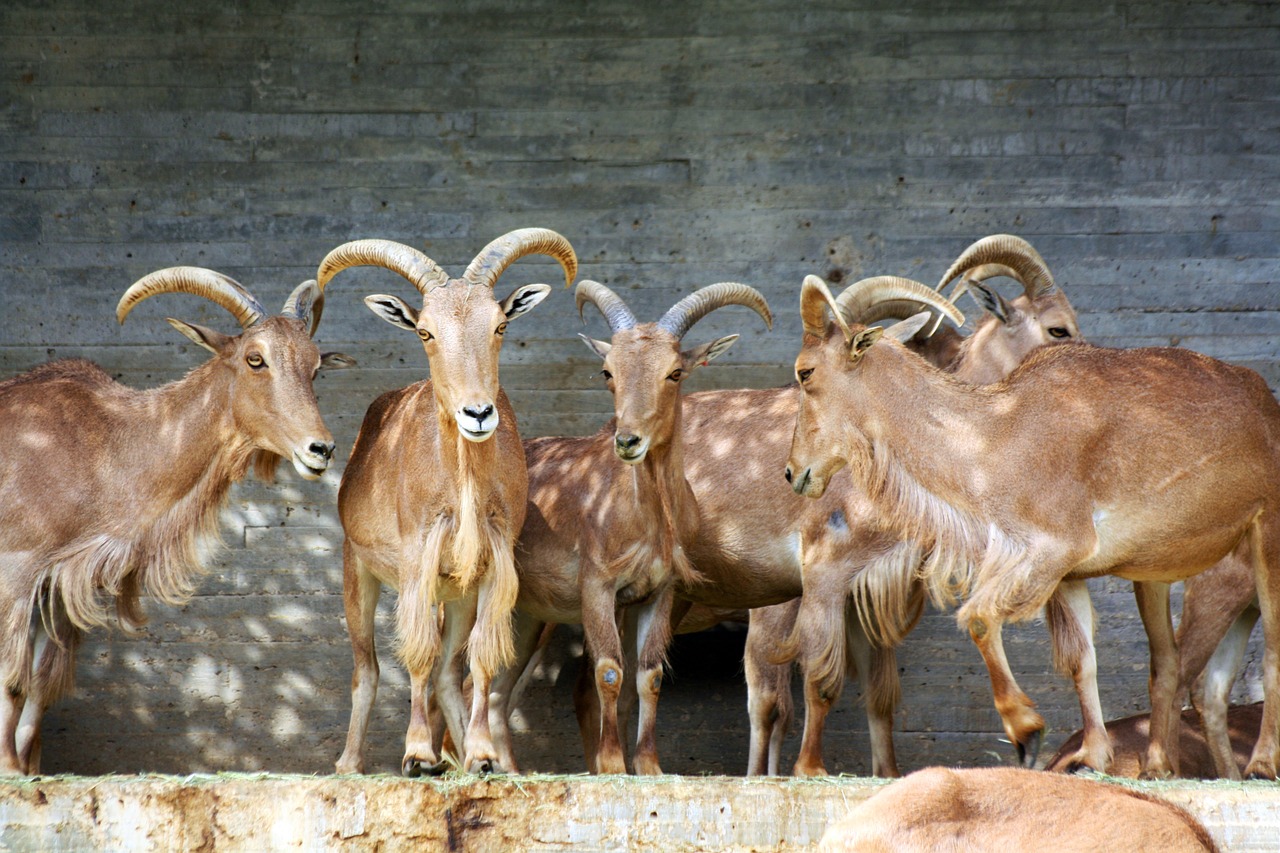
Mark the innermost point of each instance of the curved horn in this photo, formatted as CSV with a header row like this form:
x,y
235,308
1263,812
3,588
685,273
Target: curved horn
x,y
681,316
197,281
982,273
1010,252
509,248
815,298
420,270
307,300
891,297
610,304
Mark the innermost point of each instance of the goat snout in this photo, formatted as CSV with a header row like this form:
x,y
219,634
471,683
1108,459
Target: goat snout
x,y
629,447
801,482
312,461
477,421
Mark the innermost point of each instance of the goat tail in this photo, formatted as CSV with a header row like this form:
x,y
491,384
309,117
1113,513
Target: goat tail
x,y
492,642
417,619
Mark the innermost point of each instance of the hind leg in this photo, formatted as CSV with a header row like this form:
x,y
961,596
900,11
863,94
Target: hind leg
x,y
52,678
877,669
1264,539
769,703
1162,749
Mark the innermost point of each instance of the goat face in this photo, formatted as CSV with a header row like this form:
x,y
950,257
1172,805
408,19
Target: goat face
x,y
273,402
461,327
1010,330
818,443
643,368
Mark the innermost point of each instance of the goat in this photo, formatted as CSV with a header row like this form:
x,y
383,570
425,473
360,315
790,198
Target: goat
x,y
434,496
1007,808
109,493
610,514
1156,490
757,538
1130,737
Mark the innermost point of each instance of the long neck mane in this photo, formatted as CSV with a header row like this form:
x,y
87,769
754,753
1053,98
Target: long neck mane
x,y
187,455
902,449
662,503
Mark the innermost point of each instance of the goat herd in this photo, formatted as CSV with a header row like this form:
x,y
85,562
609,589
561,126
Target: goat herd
x,y
1003,468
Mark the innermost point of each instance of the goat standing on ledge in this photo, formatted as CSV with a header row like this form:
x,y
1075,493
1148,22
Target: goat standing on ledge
x,y
434,496
107,492
610,516
1149,464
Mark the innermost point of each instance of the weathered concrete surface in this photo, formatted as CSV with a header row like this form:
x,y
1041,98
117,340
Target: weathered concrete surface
x,y
231,813
675,144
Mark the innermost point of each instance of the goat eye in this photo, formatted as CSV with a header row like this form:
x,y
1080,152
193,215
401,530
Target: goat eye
x,y
606,374
255,361
1059,332
501,330
677,375
803,375
424,334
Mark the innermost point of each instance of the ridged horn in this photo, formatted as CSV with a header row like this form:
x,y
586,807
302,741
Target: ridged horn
x,y
307,300
815,299
982,273
509,248
422,272
681,316
1013,253
886,297
197,281
615,311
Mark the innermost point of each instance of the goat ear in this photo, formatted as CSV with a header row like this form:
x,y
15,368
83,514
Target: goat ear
x,y
600,348
990,301
336,361
863,340
394,310
905,330
704,353
213,341
522,299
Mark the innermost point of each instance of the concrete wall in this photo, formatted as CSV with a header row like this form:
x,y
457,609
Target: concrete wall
x,y
675,145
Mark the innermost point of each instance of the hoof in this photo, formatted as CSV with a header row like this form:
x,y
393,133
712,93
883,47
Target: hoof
x,y
483,766
413,767
1267,774
1030,751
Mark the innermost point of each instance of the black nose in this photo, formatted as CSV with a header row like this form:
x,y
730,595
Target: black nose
x,y
787,474
322,449
478,413
626,441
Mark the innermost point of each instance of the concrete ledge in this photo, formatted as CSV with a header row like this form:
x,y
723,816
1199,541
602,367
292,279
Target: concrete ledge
x,y
545,813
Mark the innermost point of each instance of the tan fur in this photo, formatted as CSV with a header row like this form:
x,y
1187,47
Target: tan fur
x,y
736,442
433,513
1131,736
1155,490
109,494
1007,809
606,535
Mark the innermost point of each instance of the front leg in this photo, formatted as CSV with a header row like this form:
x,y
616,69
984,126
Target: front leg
x,y
1024,727
604,650
360,591
653,636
